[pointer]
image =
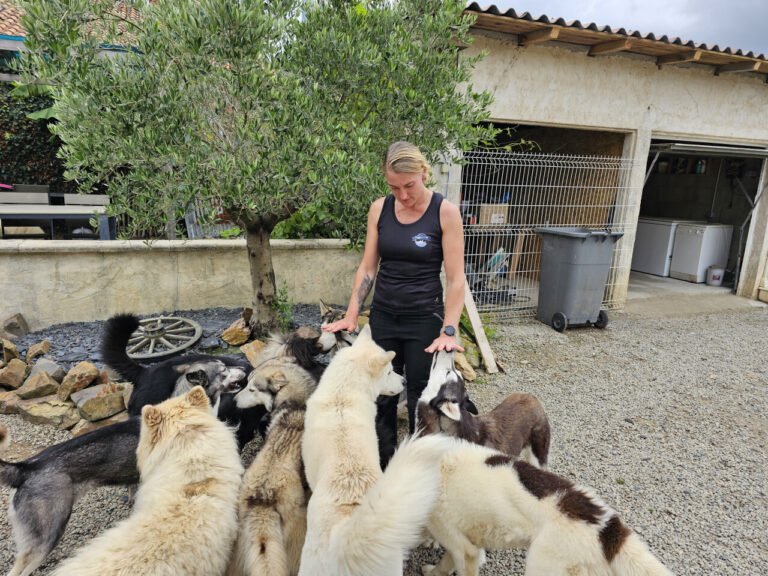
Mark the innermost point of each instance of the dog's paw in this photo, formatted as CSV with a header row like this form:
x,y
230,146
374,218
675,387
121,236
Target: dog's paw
x,y
429,542
427,569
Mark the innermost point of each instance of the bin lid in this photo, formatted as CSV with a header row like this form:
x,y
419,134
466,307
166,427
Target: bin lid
x,y
578,232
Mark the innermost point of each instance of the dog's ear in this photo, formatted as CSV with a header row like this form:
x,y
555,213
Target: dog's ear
x,y
365,335
451,410
324,308
377,362
151,416
276,380
197,378
198,398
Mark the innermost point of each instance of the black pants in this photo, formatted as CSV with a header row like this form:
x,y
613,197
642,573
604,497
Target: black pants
x,y
406,336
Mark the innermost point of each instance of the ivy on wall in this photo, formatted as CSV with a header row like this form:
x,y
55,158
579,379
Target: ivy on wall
x,y
27,148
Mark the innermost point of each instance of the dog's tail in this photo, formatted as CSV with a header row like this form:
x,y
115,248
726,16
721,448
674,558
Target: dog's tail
x,y
392,515
117,332
627,553
10,474
260,548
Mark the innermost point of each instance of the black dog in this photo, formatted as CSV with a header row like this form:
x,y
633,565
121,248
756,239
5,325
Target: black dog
x,y
220,376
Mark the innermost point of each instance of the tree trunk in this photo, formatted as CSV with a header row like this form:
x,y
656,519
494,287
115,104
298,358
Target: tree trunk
x,y
264,299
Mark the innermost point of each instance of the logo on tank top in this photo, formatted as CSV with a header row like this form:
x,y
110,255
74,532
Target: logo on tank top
x,y
421,240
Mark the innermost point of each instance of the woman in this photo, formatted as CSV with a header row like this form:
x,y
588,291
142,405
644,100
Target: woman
x,y
411,233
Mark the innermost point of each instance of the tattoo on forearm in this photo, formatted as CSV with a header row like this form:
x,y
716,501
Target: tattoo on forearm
x,y
362,292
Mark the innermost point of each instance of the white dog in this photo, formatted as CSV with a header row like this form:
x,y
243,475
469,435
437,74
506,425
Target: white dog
x,y
489,501
360,522
184,519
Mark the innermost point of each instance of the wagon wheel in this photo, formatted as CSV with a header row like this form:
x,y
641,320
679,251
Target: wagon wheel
x,y
163,336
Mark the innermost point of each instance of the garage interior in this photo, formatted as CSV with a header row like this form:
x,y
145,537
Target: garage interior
x,y
695,211
531,177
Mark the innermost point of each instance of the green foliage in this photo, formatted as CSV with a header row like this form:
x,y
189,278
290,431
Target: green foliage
x,y
275,111
283,307
234,232
27,148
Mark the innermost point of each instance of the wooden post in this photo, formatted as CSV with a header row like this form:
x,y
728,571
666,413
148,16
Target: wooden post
x,y
477,326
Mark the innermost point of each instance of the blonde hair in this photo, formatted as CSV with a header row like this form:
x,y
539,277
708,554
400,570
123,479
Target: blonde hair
x,y
405,158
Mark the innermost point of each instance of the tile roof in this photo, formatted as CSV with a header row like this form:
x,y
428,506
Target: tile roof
x,y
10,20
494,19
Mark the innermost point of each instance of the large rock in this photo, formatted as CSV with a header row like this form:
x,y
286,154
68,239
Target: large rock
x,y
37,386
253,351
39,349
81,376
99,402
463,366
9,351
14,374
84,426
237,333
49,366
15,326
472,353
9,403
49,410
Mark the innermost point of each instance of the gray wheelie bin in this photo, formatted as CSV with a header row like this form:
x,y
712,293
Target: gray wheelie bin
x,y
574,269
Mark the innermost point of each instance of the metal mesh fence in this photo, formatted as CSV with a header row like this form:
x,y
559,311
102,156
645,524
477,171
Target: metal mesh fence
x,y
505,196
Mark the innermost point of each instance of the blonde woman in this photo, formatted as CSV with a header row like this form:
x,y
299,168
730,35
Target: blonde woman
x,y
411,234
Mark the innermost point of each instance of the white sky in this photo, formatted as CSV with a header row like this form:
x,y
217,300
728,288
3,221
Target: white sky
x,y
736,23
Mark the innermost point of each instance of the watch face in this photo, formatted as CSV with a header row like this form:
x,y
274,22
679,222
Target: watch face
x,y
450,330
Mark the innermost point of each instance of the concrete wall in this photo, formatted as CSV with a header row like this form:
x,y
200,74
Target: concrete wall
x,y
559,85
55,281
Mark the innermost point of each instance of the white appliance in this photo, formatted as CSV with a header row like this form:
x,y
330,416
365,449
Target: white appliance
x,y
697,247
654,242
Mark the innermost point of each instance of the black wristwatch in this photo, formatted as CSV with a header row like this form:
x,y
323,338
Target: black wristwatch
x,y
449,330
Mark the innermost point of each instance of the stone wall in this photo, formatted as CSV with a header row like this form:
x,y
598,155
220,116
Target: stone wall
x,y
55,281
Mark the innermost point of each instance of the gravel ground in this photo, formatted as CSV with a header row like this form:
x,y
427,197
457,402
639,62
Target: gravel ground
x,y
664,418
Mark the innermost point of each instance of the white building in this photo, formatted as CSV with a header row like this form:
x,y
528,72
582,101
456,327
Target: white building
x,y
680,131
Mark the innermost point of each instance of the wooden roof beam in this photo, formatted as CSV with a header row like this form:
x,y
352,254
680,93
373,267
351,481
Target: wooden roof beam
x,y
610,47
738,67
680,57
543,35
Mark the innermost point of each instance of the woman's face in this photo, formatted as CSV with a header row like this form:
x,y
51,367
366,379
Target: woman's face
x,y
407,188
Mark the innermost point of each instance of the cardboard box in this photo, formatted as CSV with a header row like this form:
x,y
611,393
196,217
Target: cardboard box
x,y
494,214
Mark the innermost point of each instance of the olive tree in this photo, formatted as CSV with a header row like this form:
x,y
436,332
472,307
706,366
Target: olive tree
x,y
264,108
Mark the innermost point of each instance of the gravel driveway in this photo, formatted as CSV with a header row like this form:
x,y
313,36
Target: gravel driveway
x,y
664,417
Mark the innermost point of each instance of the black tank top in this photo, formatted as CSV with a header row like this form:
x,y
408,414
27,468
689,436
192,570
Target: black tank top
x,y
411,256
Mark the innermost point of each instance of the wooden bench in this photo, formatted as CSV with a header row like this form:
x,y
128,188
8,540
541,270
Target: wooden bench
x,y
32,202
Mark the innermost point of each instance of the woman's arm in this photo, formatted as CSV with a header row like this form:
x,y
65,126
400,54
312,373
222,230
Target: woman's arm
x,y
365,275
453,260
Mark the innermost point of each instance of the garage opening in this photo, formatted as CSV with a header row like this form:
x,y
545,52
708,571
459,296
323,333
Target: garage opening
x,y
695,211
566,178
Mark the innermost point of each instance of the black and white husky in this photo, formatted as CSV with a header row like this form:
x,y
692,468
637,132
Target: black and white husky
x,y
220,376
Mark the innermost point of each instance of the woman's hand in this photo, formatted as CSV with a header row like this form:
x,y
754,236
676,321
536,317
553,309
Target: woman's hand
x,y
348,324
444,342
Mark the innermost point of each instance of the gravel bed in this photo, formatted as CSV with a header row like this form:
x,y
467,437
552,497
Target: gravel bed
x,y
664,418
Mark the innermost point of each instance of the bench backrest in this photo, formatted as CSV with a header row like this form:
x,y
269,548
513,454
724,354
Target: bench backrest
x,y
23,197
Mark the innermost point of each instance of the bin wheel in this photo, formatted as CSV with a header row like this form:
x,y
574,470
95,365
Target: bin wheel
x,y
559,321
602,319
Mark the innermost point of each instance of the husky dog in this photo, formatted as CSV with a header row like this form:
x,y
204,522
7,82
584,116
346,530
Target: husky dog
x,y
160,381
332,342
274,493
47,485
488,500
361,522
274,382
184,519
518,426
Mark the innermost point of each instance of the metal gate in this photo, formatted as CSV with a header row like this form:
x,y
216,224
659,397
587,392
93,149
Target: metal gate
x,y
505,196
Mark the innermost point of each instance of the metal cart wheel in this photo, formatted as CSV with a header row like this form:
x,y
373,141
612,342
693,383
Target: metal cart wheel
x,y
163,336
559,321
602,319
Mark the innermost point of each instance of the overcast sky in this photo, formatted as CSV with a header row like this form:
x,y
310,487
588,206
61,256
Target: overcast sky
x,y
736,23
